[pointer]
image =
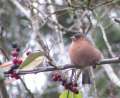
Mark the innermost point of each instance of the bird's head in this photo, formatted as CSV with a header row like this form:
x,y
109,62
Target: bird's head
x,y
78,36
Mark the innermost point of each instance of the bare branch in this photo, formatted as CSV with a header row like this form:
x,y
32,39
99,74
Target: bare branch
x,y
59,33
109,70
67,66
29,92
45,49
94,82
4,53
117,20
21,8
102,4
106,41
48,4
90,25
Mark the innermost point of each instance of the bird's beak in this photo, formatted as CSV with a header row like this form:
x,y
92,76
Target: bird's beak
x,y
72,37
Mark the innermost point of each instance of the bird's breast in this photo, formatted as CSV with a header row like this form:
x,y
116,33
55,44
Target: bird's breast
x,y
84,54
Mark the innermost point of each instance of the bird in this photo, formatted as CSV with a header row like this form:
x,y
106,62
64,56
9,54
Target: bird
x,y
83,54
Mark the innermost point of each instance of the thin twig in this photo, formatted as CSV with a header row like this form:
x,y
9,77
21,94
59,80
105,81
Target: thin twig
x,y
90,25
2,40
21,8
4,53
106,41
46,50
29,92
94,82
48,4
102,4
59,34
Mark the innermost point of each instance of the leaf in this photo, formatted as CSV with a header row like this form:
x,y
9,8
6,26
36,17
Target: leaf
x,y
71,94
33,60
6,66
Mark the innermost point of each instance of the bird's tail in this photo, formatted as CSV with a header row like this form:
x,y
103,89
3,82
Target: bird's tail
x,y
86,79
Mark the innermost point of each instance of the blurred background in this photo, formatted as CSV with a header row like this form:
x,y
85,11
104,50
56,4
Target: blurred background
x,y
57,20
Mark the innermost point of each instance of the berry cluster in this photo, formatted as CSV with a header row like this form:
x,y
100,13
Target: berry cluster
x,y
14,75
72,86
16,62
56,76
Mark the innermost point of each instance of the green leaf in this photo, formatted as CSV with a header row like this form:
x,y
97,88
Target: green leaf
x,y
69,94
33,60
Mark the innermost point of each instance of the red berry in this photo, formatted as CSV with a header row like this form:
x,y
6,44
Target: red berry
x,y
67,86
19,61
75,90
74,84
15,75
70,85
14,53
15,61
59,78
17,49
12,75
54,78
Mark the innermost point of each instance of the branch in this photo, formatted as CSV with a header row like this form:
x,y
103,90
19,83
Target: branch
x,y
90,25
109,70
67,66
96,94
45,49
102,4
48,4
21,8
117,20
29,92
4,53
106,41
58,32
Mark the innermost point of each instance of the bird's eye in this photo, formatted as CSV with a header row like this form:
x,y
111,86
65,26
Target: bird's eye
x,y
77,36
